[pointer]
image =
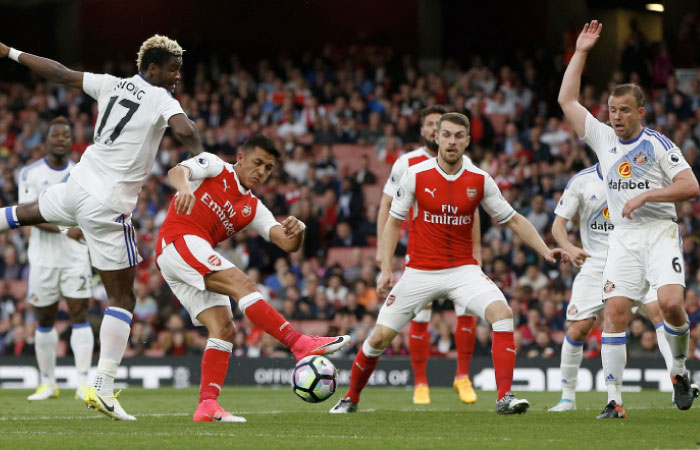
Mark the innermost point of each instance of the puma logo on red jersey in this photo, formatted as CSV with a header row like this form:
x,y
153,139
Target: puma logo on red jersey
x,y
432,193
226,186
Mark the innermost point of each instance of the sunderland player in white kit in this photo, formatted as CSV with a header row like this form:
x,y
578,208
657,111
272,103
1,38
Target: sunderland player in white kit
x,y
644,173
442,194
418,336
213,203
585,196
59,266
103,187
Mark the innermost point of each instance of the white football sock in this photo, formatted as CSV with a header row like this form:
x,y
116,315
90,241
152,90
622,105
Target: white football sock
x,y
114,335
8,218
678,339
614,356
45,343
82,342
571,357
663,345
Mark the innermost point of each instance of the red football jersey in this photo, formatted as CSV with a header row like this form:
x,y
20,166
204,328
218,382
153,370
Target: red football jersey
x,y
441,208
223,207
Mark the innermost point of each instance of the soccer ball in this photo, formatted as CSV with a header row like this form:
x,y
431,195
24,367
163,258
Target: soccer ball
x,y
314,379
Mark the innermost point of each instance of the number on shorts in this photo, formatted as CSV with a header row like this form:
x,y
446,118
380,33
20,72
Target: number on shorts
x,y
131,106
676,265
84,285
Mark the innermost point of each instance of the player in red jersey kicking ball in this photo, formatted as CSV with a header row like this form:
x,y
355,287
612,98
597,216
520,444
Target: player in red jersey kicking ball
x,y
213,203
444,193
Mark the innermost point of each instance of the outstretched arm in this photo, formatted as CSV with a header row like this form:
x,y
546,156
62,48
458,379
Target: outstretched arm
x,y
571,83
578,255
46,68
525,231
290,235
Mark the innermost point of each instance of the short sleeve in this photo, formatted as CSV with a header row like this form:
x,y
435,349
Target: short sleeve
x,y
672,162
397,170
263,221
168,106
27,192
404,196
493,202
569,202
203,166
596,133
94,84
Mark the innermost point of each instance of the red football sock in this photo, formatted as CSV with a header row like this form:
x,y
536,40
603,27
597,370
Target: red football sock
x,y
362,368
465,336
503,354
419,348
214,368
264,316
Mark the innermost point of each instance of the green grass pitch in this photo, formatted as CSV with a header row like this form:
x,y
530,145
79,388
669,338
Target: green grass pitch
x,y
388,419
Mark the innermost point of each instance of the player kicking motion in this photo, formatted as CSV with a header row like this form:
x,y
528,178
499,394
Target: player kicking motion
x,y
103,187
51,274
644,173
418,336
213,203
585,195
442,263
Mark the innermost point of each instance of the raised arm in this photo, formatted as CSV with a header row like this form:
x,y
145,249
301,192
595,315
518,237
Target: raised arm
x,y
571,83
186,132
44,67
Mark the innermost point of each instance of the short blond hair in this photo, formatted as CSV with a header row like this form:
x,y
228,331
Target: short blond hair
x,y
155,48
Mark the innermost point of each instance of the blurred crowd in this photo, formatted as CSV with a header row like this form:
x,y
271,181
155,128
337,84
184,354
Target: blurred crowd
x,y
354,98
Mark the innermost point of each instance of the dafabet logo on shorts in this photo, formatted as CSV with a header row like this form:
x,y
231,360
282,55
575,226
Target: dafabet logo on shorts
x,y
624,169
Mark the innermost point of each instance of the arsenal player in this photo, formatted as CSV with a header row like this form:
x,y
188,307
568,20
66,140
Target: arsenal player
x,y
443,194
213,203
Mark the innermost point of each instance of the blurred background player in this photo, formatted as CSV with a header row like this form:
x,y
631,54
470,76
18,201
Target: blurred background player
x,y
213,203
585,195
59,266
419,336
644,173
443,194
102,190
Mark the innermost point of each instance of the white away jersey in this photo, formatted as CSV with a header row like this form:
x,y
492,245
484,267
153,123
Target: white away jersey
x,y
47,249
132,118
401,165
631,168
585,195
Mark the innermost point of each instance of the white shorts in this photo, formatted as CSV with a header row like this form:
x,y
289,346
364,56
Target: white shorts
x,y
587,297
109,235
184,263
466,286
47,285
648,256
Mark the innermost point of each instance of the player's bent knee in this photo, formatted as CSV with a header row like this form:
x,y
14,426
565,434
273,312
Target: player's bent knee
x,y
498,310
78,310
381,337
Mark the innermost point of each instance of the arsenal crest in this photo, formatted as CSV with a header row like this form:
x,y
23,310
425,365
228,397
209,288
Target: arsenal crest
x,y
214,260
471,193
390,300
640,159
246,210
573,310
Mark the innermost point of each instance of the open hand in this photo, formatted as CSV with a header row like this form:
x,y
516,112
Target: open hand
x,y
589,36
184,202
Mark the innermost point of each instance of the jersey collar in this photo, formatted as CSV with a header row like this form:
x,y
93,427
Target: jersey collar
x,y
632,141
241,189
445,175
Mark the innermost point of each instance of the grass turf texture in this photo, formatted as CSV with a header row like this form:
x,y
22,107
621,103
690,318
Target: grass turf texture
x,y
387,419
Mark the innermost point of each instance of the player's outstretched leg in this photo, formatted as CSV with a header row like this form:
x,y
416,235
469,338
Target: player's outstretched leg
x,y
419,349
45,343
465,338
362,368
214,367
266,317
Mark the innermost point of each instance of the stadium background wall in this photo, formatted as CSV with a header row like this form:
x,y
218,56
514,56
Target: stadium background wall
x,y
530,374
